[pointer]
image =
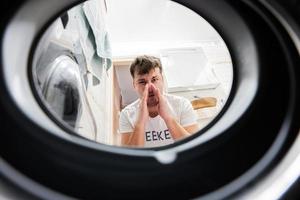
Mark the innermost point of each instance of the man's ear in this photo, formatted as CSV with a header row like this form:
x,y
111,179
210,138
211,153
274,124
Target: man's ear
x,y
133,83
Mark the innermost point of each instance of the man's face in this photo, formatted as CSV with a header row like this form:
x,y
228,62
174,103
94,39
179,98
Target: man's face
x,y
154,80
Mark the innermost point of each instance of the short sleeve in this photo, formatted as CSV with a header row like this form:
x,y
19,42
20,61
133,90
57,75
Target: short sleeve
x,y
124,123
188,115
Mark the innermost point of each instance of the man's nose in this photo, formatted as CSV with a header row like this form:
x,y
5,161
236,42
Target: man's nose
x,y
151,87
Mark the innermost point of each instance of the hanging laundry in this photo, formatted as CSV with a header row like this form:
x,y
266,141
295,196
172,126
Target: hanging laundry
x,y
94,38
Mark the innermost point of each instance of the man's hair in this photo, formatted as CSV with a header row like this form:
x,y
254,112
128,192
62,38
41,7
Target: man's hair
x,y
143,65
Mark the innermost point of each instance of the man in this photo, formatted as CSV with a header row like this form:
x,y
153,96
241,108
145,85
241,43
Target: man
x,y
156,118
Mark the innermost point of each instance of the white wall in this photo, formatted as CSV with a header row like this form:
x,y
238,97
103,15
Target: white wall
x,y
145,25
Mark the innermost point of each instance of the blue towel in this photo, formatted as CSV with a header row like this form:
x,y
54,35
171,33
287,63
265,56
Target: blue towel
x,y
94,37
95,13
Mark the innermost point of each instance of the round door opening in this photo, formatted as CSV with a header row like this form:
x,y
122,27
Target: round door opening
x,y
132,73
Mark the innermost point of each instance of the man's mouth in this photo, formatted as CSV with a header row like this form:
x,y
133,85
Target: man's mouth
x,y
152,100
151,95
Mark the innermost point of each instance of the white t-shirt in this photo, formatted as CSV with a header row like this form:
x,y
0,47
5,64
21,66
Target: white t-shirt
x,y
156,131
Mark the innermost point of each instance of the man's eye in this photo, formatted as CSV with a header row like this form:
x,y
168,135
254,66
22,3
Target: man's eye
x,y
154,80
142,83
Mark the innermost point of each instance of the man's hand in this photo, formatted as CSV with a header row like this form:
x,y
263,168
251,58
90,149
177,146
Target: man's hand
x,y
163,108
143,109
137,137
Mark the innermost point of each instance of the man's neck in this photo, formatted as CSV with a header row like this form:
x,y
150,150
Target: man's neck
x,y
153,114
153,111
